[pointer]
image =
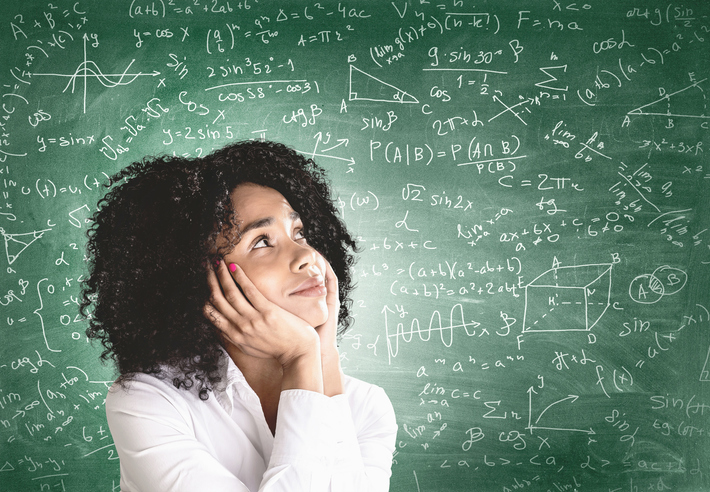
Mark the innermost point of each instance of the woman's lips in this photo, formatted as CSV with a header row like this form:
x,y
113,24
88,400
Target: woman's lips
x,y
313,287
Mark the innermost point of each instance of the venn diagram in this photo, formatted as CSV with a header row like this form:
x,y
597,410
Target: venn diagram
x,y
649,288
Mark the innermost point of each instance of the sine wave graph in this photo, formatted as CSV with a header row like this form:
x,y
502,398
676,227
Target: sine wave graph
x,y
89,69
446,333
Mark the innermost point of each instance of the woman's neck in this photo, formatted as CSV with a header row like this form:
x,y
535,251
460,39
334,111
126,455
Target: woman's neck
x,y
264,377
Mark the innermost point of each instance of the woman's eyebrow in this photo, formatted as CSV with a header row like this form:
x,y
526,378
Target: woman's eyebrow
x,y
267,221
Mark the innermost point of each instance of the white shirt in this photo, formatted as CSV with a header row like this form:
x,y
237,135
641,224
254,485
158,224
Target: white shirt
x,y
169,439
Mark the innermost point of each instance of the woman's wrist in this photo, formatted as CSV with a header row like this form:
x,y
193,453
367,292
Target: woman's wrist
x,y
332,373
304,370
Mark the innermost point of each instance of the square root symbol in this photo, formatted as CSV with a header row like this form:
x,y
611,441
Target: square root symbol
x,y
571,298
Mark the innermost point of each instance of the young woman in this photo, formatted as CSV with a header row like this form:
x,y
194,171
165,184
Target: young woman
x,y
217,286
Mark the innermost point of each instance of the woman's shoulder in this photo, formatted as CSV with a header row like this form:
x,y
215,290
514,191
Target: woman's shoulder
x,y
140,390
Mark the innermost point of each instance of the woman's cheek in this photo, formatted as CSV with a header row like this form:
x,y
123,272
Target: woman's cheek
x,y
266,283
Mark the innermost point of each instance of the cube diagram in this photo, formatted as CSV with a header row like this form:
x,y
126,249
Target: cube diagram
x,y
571,298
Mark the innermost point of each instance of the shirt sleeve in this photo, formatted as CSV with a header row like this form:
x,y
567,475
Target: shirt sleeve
x,y
317,442
317,446
156,443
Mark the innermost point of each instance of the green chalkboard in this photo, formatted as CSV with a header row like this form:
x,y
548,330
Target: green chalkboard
x,y
528,180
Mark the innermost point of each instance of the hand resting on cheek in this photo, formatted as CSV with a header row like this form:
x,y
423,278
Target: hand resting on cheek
x,y
251,322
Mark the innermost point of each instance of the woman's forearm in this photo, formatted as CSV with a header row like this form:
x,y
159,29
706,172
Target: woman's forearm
x,y
304,371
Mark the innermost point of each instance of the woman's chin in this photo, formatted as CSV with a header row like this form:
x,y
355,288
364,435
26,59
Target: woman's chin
x,y
318,320
317,315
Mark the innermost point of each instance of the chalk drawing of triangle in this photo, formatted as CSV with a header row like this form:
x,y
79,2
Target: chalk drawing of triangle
x,y
7,467
365,87
17,243
672,104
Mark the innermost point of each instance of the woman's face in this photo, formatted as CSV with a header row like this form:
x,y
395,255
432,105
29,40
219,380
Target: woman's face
x,y
274,254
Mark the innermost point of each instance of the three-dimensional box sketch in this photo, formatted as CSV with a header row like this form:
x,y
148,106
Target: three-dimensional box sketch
x,y
570,298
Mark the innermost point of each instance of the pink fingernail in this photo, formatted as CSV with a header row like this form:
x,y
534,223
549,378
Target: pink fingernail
x,y
232,267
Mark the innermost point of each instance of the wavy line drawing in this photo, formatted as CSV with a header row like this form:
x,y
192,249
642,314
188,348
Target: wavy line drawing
x,y
425,335
89,69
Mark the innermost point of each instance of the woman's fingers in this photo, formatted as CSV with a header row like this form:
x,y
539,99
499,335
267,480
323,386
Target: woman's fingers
x,y
218,309
332,297
328,329
249,291
213,282
214,316
235,336
250,321
331,284
231,291
221,313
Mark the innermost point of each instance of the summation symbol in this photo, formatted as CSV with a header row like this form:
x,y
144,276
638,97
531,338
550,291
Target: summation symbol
x,y
435,324
570,298
21,241
89,69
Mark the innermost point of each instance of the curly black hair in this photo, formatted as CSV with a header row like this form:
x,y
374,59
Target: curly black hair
x,y
158,229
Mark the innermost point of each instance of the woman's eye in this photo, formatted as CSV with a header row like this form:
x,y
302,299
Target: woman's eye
x,y
299,234
263,242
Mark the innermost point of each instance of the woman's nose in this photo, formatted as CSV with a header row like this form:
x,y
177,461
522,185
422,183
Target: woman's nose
x,y
303,257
